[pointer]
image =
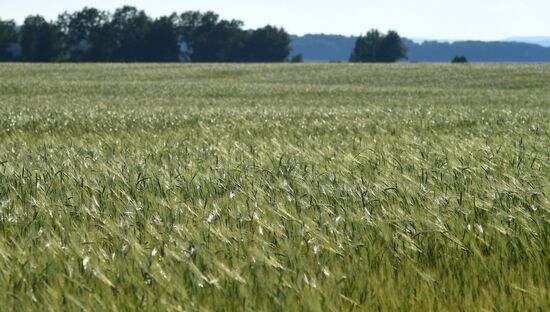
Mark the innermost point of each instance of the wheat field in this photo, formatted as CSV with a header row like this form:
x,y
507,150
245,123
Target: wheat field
x,y
307,187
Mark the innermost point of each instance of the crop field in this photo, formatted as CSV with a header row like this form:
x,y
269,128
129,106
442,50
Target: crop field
x,y
311,187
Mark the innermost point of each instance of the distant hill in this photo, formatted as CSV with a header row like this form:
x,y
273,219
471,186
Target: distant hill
x,y
543,41
477,51
324,48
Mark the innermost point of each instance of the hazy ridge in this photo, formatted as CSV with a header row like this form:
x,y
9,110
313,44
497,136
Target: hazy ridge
x,y
321,47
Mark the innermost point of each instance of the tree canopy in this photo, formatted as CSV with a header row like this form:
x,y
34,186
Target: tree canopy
x,y
130,35
269,44
84,35
161,41
459,59
40,41
8,37
376,47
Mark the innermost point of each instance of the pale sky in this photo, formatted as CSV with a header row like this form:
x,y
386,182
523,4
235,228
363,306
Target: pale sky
x,y
431,19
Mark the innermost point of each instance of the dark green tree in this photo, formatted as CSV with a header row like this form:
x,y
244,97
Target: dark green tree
x,y
366,47
129,35
161,41
269,44
225,42
84,35
459,59
8,38
40,41
376,47
298,58
391,48
191,22
193,25
127,32
209,39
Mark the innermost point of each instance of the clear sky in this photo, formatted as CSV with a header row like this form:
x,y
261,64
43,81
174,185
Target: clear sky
x,y
431,19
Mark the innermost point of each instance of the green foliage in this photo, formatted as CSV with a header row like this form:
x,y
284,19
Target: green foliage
x,y
274,187
162,41
129,35
366,47
40,41
459,59
376,47
210,39
91,35
128,32
222,41
8,37
84,35
391,48
269,44
298,58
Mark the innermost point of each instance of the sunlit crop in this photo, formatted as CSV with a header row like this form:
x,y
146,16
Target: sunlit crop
x,y
275,187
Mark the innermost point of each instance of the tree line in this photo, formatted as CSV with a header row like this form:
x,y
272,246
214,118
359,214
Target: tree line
x,y
130,35
377,47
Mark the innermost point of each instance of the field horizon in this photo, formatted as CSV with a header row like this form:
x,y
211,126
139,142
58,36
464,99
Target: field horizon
x,y
306,187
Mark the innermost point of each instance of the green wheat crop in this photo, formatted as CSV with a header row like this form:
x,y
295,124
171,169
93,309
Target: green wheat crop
x,y
275,187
